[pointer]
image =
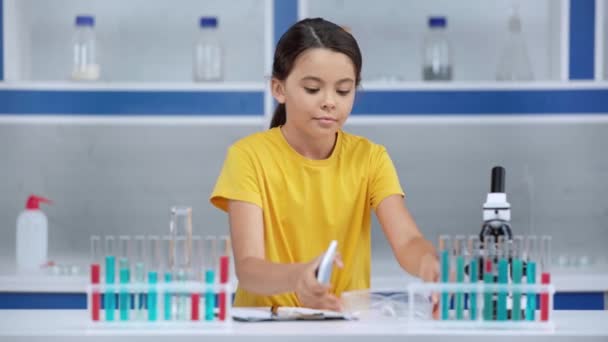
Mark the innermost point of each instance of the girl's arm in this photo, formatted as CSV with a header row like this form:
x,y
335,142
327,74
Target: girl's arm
x,y
414,253
255,274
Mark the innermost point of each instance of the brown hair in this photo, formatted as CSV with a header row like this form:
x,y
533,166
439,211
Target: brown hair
x,y
307,34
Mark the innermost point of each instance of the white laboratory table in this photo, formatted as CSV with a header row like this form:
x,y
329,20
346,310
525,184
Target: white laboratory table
x,y
74,325
386,275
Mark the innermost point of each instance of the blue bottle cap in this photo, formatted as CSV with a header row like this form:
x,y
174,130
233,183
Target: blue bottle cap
x,y
438,22
85,20
208,22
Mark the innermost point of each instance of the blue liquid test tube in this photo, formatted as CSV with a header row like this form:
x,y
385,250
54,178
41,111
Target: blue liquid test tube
x,y
109,304
474,252
531,254
209,295
444,252
165,263
124,304
503,276
531,298
154,260
152,295
110,274
517,274
211,263
488,277
167,298
459,253
125,301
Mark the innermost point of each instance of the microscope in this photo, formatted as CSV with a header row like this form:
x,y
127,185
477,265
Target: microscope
x,y
496,224
496,210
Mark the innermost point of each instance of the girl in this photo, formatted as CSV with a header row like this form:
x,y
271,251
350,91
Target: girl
x,y
290,190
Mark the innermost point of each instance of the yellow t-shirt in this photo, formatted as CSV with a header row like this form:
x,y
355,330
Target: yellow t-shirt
x,y
307,203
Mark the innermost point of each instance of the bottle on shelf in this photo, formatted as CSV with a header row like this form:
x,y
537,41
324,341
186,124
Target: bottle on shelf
x,y
437,54
514,62
208,52
85,65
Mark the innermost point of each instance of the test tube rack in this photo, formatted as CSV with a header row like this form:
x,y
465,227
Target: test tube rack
x,y
479,316
138,282
173,304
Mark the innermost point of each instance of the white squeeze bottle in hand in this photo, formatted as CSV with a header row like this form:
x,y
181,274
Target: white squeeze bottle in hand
x,y
32,236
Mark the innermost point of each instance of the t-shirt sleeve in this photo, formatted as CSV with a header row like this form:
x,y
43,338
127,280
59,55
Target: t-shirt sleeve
x,y
237,180
384,180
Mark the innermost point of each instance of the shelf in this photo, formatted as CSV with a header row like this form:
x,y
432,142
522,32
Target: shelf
x,y
131,99
472,98
373,98
137,86
138,41
480,85
390,34
262,87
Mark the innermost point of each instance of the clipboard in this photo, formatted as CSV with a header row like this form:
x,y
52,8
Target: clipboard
x,y
283,313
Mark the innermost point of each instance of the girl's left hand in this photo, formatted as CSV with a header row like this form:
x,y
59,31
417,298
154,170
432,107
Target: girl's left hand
x,y
429,272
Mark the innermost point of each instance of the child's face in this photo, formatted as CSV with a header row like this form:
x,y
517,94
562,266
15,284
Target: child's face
x,y
319,92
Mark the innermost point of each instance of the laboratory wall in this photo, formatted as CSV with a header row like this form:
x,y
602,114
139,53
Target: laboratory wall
x,y
116,153
122,179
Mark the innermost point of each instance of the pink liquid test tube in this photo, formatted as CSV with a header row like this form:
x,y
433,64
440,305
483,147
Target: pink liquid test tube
x,y
224,275
545,277
95,276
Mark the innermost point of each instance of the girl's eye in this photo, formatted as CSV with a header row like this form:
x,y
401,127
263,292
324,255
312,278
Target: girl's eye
x,y
311,90
343,92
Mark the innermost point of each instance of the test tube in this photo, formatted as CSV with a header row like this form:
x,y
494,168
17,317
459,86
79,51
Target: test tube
x,y
444,252
138,256
474,248
96,257
459,254
531,254
182,243
109,297
154,262
124,245
168,276
210,249
516,264
181,226
197,271
488,276
503,251
545,260
225,251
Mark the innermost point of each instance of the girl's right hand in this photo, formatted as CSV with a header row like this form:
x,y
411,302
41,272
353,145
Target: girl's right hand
x,y
313,294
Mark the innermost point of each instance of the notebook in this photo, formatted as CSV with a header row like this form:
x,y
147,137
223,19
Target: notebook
x,y
266,314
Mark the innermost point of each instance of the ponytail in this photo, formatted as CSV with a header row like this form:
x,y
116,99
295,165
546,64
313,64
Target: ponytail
x,y
279,117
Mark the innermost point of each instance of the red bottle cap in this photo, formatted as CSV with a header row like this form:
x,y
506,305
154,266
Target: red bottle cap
x,y
33,202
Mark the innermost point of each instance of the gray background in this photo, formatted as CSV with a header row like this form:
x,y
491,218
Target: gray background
x,y
112,178
115,178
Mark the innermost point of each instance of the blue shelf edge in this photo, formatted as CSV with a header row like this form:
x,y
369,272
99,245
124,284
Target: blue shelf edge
x,y
95,102
484,102
367,102
78,301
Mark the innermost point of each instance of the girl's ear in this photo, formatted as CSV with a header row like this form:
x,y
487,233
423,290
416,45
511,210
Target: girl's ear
x,y
278,90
